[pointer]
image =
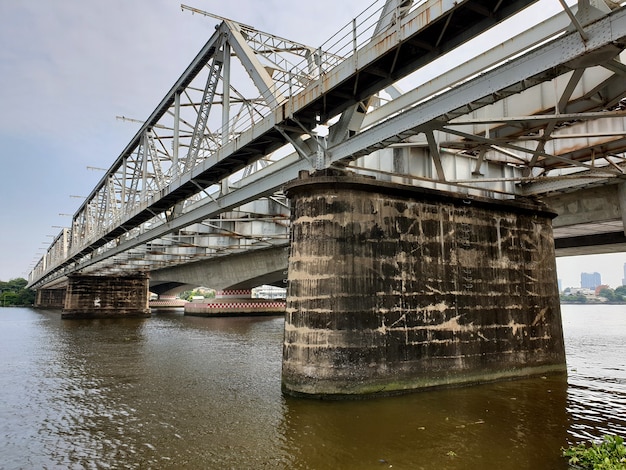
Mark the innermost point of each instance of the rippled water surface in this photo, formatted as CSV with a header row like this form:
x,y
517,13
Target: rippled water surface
x,y
182,392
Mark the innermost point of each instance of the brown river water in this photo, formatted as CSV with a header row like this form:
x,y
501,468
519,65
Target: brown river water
x,y
173,392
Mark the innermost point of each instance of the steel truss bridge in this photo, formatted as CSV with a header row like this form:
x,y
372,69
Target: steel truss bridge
x,y
540,114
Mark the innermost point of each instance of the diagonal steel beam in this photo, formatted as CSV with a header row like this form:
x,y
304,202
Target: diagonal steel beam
x,y
256,71
215,69
559,108
517,148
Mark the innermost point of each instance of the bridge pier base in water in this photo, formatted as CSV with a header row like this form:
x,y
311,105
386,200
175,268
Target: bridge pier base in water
x,y
50,298
106,296
395,288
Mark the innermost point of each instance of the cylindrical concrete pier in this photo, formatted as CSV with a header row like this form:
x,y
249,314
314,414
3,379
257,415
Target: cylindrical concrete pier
x,y
395,288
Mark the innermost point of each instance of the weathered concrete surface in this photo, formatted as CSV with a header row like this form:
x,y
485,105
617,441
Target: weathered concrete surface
x,y
50,298
395,288
590,220
106,296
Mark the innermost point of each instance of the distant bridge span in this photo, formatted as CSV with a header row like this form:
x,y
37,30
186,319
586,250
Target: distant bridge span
x,y
266,266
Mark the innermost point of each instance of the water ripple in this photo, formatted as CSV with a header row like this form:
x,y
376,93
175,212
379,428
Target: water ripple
x,y
183,392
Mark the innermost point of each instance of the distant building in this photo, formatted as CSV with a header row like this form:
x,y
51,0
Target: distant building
x,y
560,281
590,280
580,291
624,279
269,292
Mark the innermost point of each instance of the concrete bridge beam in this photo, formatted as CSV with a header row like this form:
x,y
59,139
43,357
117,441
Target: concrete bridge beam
x,y
395,288
238,271
590,220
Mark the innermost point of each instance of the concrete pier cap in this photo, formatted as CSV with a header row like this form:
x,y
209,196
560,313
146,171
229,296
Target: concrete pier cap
x,y
395,288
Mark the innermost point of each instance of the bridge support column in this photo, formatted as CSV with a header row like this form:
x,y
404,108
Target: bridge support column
x,y
395,288
107,296
50,298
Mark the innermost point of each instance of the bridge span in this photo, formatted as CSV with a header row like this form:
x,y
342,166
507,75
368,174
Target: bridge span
x,y
508,131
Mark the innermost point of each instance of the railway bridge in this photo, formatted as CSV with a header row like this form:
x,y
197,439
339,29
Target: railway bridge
x,y
411,181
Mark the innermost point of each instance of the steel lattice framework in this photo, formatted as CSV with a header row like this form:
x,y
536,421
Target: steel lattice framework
x,y
539,113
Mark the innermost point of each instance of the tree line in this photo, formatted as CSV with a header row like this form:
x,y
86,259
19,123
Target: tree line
x,y
610,295
15,294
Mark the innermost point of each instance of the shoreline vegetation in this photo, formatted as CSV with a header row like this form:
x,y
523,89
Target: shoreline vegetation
x,y
607,454
606,295
14,293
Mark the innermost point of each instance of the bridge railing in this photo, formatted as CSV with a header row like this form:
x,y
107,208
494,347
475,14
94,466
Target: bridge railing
x,y
343,45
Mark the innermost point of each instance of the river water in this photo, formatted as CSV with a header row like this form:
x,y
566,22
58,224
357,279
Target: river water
x,y
204,393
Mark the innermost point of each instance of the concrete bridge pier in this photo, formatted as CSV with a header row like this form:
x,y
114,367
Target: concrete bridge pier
x,y
107,296
394,288
50,298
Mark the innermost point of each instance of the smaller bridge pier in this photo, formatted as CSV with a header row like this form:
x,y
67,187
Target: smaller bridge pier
x,y
395,288
238,302
107,296
50,298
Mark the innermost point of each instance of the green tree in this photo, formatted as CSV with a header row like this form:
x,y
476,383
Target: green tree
x,y
608,294
581,298
185,295
25,297
14,293
610,454
578,298
7,298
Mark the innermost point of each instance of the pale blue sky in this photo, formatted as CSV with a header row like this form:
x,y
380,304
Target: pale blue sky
x,y
68,67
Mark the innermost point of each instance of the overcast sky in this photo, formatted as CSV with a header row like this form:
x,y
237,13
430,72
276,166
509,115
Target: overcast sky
x,y
69,67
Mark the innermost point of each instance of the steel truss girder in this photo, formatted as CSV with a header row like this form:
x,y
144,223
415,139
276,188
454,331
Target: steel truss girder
x,y
129,185
607,38
264,183
135,185
138,210
137,165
